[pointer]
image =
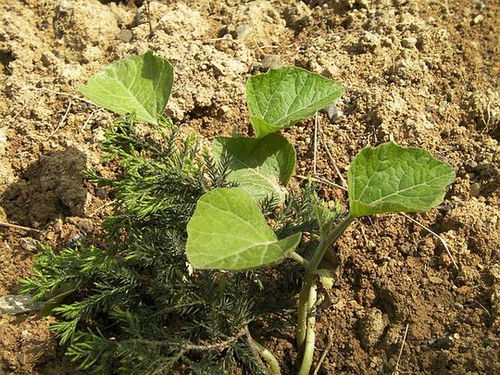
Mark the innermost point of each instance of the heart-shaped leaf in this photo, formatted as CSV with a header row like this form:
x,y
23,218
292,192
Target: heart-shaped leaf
x,y
260,166
228,231
137,84
391,178
281,97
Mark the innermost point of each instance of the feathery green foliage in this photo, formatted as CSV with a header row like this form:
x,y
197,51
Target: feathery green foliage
x,y
135,307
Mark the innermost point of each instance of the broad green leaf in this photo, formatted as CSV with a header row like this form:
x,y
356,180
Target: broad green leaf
x,y
282,97
228,231
136,84
260,166
391,178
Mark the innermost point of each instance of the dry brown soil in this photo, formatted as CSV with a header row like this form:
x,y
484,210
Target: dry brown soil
x,y
421,72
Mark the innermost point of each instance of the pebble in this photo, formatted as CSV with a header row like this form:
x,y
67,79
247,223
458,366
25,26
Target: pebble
x,y
17,304
3,140
218,68
271,62
333,113
58,226
435,280
479,18
28,244
371,328
243,31
409,42
125,35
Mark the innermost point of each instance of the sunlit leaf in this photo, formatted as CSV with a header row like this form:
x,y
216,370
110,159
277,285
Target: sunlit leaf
x,y
391,178
137,84
229,232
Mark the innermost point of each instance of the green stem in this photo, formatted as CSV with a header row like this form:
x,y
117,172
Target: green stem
x,y
307,298
302,316
299,259
325,243
271,360
308,353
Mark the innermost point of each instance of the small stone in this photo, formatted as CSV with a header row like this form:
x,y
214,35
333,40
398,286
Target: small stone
x,y
70,72
125,35
463,289
65,6
17,304
333,113
475,189
243,31
218,68
58,226
371,328
435,280
409,42
330,71
479,18
480,5
271,62
28,244
3,141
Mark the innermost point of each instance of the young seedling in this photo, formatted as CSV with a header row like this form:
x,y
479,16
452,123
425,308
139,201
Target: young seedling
x,y
227,228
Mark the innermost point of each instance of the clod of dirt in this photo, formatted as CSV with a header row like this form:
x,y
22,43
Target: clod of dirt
x,y
73,28
409,42
265,21
297,15
495,296
371,328
184,18
368,42
51,187
478,222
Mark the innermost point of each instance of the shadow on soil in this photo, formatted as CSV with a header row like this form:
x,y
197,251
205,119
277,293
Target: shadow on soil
x,y
51,187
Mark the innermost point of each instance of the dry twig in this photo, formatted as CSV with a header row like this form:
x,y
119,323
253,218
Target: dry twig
x,y
325,352
443,241
148,15
396,368
332,160
63,119
15,226
320,180
57,93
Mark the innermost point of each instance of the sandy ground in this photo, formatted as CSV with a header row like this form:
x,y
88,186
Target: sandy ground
x,y
419,72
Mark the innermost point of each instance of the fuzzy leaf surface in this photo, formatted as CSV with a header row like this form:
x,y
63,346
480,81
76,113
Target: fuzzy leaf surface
x,y
391,178
281,97
228,232
137,84
260,166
